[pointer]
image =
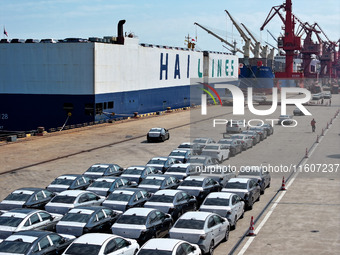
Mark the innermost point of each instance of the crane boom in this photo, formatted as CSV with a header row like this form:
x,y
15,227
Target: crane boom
x,y
221,39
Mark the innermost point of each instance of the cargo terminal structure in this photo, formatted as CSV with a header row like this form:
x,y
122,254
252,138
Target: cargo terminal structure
x,y
49,84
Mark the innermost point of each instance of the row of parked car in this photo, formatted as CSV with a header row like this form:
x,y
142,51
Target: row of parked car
x,y
137,206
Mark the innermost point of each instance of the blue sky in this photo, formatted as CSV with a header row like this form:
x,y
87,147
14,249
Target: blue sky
x,y
157,21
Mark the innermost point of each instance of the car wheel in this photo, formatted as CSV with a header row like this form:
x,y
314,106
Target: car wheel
x,y
168,136
235,223
242,215
258,199
222,159
250,205
211,248
226,236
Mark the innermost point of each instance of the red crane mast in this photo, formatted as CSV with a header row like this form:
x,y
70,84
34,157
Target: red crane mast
x,y
289,42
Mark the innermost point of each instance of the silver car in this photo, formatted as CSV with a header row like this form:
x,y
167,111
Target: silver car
x,y
180,155
69,199
142,224
254,135
235,126
181,171
205,229
220,152
225,204
247,188
26,219
263,176
246,141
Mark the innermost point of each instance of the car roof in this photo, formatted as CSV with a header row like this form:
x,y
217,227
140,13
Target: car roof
x,y
29,189
164,244
160,158
139,211
197,178
86,209
94,238
137,167
196,215
73,193
180,165
35,233
157,177
241,180
101,165
107,179
179,150
69,176
225,195
169,192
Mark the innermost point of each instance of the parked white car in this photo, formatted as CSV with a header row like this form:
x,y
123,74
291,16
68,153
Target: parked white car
x,y
217,151
169,246
97,243
225,204
205,229
246,140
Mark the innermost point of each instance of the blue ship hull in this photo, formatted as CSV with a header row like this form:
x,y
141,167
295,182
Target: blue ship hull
x,y
261,78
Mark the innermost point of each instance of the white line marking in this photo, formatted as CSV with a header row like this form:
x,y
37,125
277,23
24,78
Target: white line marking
x,y
257,230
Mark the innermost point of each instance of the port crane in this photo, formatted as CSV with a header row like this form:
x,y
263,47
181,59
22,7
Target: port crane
x,y
248,44
234,49
258,47
290,42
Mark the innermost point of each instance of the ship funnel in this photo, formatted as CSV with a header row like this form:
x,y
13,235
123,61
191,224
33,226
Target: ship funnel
x,y
120,31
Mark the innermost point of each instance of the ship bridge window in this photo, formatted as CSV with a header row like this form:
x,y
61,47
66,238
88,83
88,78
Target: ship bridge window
x,y
110,105
89,109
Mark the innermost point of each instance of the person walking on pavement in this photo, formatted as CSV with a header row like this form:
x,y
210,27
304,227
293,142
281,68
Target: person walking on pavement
x,y
312,123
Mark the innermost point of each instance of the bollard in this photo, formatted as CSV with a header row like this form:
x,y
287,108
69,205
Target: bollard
x,y
322,132
317,139
306,156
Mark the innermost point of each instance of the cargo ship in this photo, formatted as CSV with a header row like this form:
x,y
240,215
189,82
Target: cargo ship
x,y
75,81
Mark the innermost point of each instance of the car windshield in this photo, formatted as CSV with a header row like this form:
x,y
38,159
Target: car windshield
x,y
236,185
185,146
225,141
133,171
62,181
96,169
132,219
217,201
101,184
192,183
177,153
10,221
190,224
155,130
81,248
211,147
76,217
157,161
63,199
162,198
153,252
119,197
200,140
14,247
154,182
196,160
17,197
176,170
